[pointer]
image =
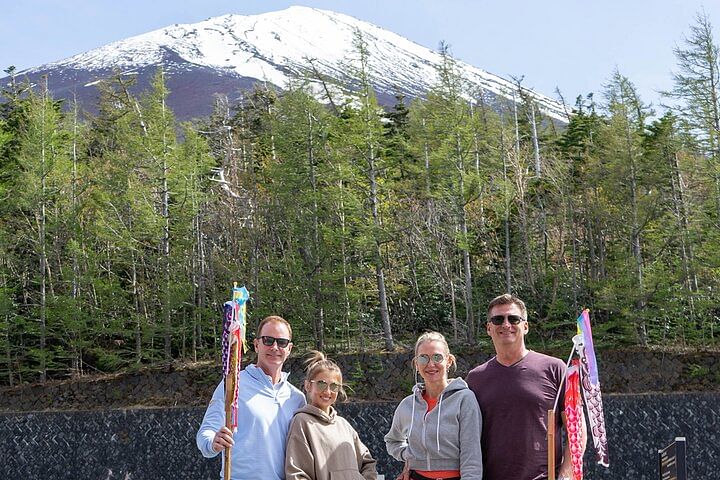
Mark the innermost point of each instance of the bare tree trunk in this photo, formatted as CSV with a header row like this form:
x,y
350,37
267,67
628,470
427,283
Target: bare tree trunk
x,y
521,183
574,261
536,145
76,368
506,216
482,234
524,234
42,242
166,240
686,252
315,261
379,273
592,268
346,296
370,158
426,157
8,355
453,309
476,143
199,274
715,130
469,310
138,309
637,255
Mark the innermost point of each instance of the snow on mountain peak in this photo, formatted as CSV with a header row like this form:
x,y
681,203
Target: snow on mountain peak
x,y
278,46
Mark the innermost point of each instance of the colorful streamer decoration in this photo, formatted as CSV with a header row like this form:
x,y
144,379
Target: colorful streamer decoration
x,y
581,376
233,345
584,329
591,389
574,418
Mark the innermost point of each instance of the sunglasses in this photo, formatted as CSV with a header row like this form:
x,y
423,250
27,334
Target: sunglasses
x,y
322,385
267,340
424,359
500,319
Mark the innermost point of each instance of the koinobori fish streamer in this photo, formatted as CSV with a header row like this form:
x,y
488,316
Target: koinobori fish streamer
x,y
574,419
581,381
590,382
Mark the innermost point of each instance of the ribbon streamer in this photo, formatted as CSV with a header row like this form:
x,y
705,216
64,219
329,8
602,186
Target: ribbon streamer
x,y
233,345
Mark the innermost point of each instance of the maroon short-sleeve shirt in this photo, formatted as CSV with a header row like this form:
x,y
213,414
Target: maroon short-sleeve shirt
x,y
514,402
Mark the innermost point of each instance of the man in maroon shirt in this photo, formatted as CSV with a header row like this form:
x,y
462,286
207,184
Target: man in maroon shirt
x,y
515,389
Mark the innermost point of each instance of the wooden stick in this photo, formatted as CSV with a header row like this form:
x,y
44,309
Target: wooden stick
x,y
229,400
551,444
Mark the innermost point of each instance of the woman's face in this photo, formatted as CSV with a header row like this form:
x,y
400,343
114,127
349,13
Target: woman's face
x,y
432,361
322,390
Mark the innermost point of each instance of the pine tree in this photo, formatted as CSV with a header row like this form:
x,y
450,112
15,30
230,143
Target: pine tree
x,y
697,86
361,143
624,157
43,171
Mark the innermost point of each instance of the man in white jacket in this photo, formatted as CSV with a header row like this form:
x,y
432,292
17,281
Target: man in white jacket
x,y
266,404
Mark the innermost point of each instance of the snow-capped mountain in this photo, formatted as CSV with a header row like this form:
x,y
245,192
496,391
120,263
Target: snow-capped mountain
x,y
229,53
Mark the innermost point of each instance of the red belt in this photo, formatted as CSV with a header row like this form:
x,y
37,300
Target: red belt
x,y
416,476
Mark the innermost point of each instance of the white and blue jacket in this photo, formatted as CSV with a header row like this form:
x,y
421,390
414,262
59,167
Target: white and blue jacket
x,y
264,414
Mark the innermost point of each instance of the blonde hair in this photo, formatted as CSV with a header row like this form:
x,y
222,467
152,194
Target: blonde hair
x,y
435,337
317,363
273,318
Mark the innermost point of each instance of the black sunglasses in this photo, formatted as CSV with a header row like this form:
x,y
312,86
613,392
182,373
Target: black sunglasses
x,y
267,340
500,319
322,385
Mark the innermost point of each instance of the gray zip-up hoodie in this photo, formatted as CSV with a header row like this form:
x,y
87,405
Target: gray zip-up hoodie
x,y
446,438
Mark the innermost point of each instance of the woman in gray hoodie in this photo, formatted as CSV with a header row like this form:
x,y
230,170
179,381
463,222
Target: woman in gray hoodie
x,y
436,430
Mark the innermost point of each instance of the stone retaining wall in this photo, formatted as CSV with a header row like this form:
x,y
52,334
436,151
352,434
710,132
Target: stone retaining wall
x,y
370,377
152,444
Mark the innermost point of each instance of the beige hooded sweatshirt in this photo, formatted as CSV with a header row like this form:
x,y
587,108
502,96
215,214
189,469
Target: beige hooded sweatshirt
x,y
323,446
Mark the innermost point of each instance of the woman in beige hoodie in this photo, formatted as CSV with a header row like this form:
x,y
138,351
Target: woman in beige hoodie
x,y
322,445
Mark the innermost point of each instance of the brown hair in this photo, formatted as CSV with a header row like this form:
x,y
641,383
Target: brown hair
x,y
316,363
507,299
272,318
432,336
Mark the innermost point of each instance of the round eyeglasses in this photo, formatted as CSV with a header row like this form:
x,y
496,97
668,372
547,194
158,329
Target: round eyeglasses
x,y
322,385
424,358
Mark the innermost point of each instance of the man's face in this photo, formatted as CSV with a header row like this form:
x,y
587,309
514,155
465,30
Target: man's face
x,y
507,335
270,358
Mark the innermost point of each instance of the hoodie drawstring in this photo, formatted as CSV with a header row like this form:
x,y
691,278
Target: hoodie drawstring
x,y
438,422
412,419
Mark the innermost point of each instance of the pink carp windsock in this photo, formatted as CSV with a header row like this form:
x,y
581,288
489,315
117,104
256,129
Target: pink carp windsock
x,y
591,389
574,418
234,327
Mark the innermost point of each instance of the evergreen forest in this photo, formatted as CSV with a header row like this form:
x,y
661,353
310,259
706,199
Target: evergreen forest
x,y
123,231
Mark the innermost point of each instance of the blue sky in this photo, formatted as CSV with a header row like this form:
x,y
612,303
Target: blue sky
x,y
573,45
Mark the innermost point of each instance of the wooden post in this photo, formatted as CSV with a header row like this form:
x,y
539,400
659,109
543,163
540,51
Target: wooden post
x,y
229,398
551,444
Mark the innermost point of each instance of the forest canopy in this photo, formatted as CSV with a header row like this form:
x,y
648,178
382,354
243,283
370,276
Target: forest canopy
x,y
122,232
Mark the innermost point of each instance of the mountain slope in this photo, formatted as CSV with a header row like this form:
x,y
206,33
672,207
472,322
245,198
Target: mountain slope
x,y
225,54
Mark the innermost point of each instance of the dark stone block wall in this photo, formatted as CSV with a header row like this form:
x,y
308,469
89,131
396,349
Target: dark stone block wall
x,y
369,377
138,444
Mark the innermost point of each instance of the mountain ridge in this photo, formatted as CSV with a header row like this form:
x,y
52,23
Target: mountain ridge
x,y
277,48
